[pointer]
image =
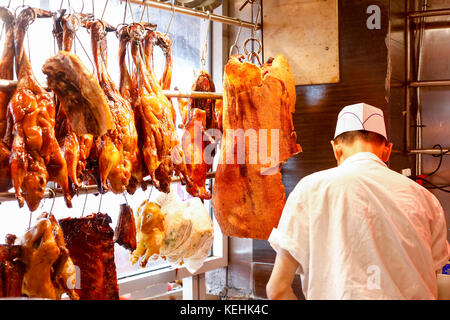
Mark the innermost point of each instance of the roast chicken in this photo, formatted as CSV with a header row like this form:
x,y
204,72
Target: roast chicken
x,y
36,156
151,231
161,149
248,194
49,270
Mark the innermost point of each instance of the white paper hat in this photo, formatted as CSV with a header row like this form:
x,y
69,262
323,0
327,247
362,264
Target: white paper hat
x,y
361,116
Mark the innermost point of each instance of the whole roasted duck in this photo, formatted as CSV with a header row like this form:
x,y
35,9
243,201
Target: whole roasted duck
x,y
36,156
199,116
161,148
249,195
49,270
118,152
6,72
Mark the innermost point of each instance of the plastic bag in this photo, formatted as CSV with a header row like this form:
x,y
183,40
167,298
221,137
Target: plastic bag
x,y
189,233
202,235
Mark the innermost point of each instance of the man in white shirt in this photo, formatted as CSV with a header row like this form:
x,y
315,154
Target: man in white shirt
x,y
360,230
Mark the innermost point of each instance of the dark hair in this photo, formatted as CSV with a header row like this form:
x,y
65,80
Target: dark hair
x,y
350,137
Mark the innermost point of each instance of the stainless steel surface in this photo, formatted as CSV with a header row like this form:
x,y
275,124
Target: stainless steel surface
x,y
435,101
197,13
11,84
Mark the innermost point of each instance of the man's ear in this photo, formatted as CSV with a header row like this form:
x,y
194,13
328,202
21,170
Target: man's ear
x,y
386,153
337,150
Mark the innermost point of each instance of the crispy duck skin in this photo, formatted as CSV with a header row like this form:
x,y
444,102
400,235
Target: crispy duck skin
x,y
11,271
72,82
248,198
36,156
193,146
48,268
128,90
6,72
91,247
119,147
125,232
161,149
198,116
6,65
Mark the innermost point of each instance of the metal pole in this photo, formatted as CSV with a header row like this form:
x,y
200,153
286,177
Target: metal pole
x,y
432,83
11,85
429,13
92,189
408,80
197,13
430,151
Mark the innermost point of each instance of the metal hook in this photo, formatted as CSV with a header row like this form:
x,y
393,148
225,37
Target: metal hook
x,y
29,221
149,195
53,197
143,11
235,46
104,9
205,48
125,12
253,53
171,18
100,203
85,200
93,8
125,196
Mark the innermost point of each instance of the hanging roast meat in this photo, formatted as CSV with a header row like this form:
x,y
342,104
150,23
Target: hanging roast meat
x,y
117,150
198,116
248,195
83,105
49,271
128,90
161,148
125,232
91,247
6,72
36,156
11,271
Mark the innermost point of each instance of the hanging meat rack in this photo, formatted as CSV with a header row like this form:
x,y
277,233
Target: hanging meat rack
x,y
92,189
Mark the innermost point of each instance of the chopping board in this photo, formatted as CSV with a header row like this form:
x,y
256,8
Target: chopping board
x,y
306,32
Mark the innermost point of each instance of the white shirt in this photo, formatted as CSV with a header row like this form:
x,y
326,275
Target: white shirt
x,y
363,231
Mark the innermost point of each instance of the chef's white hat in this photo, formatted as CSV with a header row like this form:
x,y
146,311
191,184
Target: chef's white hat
x,y
361,116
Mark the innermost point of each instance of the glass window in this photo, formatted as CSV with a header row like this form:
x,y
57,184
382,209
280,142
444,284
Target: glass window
x,y
188,35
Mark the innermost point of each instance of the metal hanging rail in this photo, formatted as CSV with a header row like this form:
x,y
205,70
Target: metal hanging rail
x,y
11,84
92,189
197,13
432,83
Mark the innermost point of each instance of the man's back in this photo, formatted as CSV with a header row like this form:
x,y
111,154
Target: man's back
x,y
366,232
